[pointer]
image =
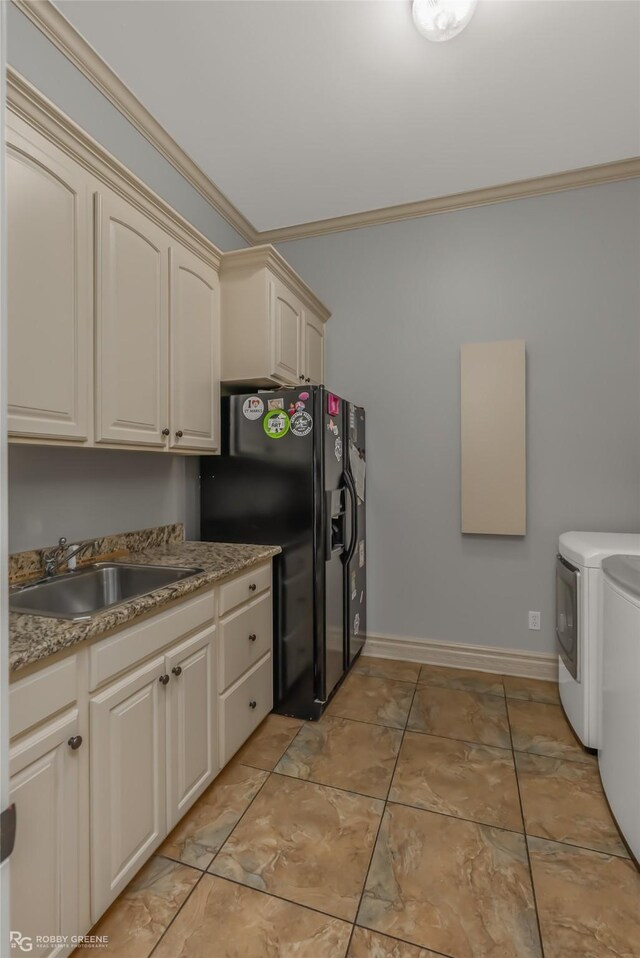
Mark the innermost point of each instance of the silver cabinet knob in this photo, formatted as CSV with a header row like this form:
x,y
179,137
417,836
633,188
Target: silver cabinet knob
x,y
252,704
177,670
166,431
253,637
164,680
252,587
75,742
301,377
179,434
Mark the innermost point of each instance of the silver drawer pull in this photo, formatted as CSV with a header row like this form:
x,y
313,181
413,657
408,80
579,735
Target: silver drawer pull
x,y
252,587
75,742
253,637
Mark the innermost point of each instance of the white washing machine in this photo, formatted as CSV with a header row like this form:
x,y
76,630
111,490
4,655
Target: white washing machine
x,y
619,755
579,623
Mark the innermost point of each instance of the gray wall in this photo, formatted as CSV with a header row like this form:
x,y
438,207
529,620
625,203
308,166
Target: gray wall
x,y
80,492
560,272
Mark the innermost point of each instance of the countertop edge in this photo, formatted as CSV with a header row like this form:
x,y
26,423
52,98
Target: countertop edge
x,y
65,634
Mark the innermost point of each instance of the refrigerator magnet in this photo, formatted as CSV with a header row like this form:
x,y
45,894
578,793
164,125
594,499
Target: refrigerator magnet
x,y
276,424
361,553
275,403
356,623
252,408
304,395
338,449
301,424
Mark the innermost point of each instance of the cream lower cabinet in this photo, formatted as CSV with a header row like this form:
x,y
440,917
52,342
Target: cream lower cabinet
x,y
153,751
112,745
192,751
272,323
46,868
127,779
49,298
245,665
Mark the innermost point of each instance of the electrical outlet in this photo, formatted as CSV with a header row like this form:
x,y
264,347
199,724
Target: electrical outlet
x,y
534,621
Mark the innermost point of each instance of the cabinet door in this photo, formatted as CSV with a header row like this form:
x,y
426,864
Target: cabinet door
x,y
49,289
194,352
313,349
286,333
131,325
45,864
127,779
191,726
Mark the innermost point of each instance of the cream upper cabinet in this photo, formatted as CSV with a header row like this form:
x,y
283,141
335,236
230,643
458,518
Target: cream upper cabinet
x,y
49,288
285,333
313,348
194,347
131,325
45,864
272,323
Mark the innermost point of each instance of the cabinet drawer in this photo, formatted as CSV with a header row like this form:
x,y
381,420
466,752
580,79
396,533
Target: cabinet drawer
x,y
245,637
244,587
111,656
35,698
238,718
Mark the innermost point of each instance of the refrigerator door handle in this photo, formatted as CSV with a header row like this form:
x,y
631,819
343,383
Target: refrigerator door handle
x,y
354,517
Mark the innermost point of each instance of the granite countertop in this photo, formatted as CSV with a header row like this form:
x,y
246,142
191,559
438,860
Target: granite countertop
x,y
35,637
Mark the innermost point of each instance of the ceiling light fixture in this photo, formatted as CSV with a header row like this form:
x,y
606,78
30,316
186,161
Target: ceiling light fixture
x,y
440,20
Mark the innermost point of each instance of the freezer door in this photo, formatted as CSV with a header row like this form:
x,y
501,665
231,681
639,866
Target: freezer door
x,y
356,558
335,542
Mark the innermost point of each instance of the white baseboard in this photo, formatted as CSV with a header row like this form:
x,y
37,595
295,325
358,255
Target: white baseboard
x,y
531,665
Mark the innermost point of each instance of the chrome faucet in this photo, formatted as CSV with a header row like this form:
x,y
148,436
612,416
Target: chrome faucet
x,y
56,557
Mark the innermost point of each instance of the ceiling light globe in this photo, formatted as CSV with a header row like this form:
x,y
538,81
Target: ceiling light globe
x,y
439,20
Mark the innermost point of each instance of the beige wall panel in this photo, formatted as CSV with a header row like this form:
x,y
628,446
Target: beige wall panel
x,y
493,438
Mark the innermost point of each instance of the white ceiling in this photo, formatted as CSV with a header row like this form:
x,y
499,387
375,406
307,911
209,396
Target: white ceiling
x,y
305,109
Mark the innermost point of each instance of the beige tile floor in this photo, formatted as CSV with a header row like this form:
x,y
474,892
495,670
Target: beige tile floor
x,y
431,812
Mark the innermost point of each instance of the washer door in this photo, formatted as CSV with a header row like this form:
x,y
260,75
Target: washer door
x,y
567,585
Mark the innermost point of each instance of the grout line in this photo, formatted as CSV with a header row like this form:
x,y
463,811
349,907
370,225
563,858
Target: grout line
x,y
206,872
384,807
465,741
456,818
150,953
582,848
526,841
337,788
289,901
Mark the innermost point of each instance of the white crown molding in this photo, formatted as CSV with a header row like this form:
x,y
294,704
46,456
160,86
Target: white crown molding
x,y
66,38
72,44
258,257
522,189
531,665
27,103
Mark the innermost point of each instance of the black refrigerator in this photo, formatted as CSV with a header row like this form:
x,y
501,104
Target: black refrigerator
x,y
292,473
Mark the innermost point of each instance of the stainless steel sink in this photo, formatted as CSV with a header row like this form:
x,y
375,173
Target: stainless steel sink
x,y
92,589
